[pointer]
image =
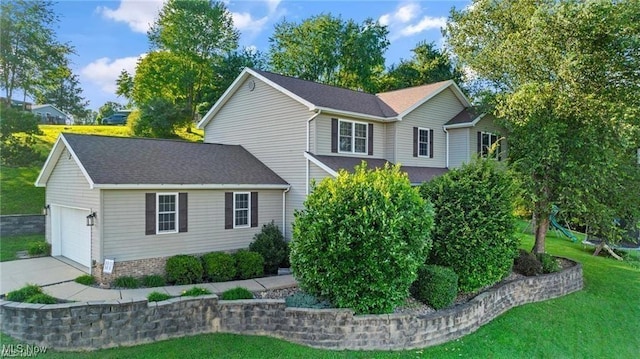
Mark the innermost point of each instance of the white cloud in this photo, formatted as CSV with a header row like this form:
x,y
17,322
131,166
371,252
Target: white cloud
x,y
104,71
139,15
401,22
247,23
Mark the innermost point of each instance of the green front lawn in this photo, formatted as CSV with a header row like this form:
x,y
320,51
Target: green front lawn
x,y
10,245
600,321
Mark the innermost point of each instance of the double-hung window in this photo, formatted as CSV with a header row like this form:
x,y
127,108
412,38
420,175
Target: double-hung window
x,y
423,142
241,209
353,137
486,141
167,214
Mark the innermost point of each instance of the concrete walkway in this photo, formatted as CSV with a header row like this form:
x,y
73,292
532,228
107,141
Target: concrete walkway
x,y
81,293
57,279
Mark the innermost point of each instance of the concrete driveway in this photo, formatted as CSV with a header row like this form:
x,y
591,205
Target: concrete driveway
x,y
42,271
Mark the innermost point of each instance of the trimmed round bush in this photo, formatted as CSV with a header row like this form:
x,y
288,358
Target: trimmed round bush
x,y
361,238
474,224
436,286
248,264
184,269
527,264
236,294
271,245
153,280
219,266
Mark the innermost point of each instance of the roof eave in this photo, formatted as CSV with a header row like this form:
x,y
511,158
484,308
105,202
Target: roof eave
x,y
327,110
165,186
465,124
52,159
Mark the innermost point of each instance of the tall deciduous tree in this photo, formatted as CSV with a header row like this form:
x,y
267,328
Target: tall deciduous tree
x,y
427,65
330,50
193,36
30,54
66,95
567,89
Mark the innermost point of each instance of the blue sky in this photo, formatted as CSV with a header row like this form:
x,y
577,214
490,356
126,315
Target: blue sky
x,y
109,36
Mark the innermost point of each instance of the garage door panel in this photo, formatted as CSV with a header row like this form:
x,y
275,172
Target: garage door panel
x,y
75,235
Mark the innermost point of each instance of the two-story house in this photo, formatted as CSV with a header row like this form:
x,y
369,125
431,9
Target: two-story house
x,y
140,201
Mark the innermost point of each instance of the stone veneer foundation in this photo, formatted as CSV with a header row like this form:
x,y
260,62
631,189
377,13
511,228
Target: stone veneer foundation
x,y
104,324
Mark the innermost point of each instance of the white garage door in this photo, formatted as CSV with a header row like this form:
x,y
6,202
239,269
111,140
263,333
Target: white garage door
x,y
73,235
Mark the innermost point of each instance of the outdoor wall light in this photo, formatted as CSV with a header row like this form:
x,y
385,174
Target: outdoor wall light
x,y
45,210
91,219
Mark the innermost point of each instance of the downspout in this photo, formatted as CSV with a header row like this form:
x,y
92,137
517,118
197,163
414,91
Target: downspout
x,y
308,148
284,211
447,146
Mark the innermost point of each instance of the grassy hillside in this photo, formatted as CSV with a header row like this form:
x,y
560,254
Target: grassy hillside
x,y
18,195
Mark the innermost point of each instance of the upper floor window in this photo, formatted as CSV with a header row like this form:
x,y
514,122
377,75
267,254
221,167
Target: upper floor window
x,y
353,137
488,144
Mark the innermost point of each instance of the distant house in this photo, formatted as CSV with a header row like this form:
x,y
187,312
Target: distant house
x,y
265,140
49,114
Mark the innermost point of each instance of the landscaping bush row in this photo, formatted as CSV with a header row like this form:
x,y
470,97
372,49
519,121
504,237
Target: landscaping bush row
x,y
215,267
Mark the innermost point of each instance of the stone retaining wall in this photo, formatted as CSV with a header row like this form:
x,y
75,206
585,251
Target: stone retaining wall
x,y
21,224
92,325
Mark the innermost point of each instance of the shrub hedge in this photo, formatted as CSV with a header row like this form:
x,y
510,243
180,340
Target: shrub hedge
x,y
184,269
361,238
248,264
474,223
219,266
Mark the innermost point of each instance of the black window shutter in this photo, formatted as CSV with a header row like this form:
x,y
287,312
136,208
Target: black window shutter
x,y
183,214
228,210
430,143
254,209
334,135
479,147
150,213
415,142
370,140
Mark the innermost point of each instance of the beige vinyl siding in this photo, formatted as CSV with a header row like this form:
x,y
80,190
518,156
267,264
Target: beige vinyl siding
x,y
68,187
390,142
124,230
433,114
272,126
459,147
316,173
486,124
323,137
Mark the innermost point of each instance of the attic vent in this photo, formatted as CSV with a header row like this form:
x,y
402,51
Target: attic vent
x,y
251,85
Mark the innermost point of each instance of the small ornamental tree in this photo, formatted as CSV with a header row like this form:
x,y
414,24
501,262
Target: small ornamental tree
x,y
474,223
361,238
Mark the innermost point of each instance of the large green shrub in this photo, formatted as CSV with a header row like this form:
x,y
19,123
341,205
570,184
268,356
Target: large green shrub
x,y
474,222
361,239
248,264
436,286
184,269
271,245
219,266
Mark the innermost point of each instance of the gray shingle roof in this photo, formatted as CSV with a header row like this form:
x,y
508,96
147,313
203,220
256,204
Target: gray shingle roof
x,y
122,160
465,116
416,174
332,97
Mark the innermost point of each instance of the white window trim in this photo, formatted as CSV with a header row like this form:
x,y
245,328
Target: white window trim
x,y
428,155
248,209
491,134
177,211
353,137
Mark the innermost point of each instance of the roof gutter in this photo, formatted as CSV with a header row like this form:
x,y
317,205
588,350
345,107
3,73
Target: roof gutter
x,y
191,186
356,114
